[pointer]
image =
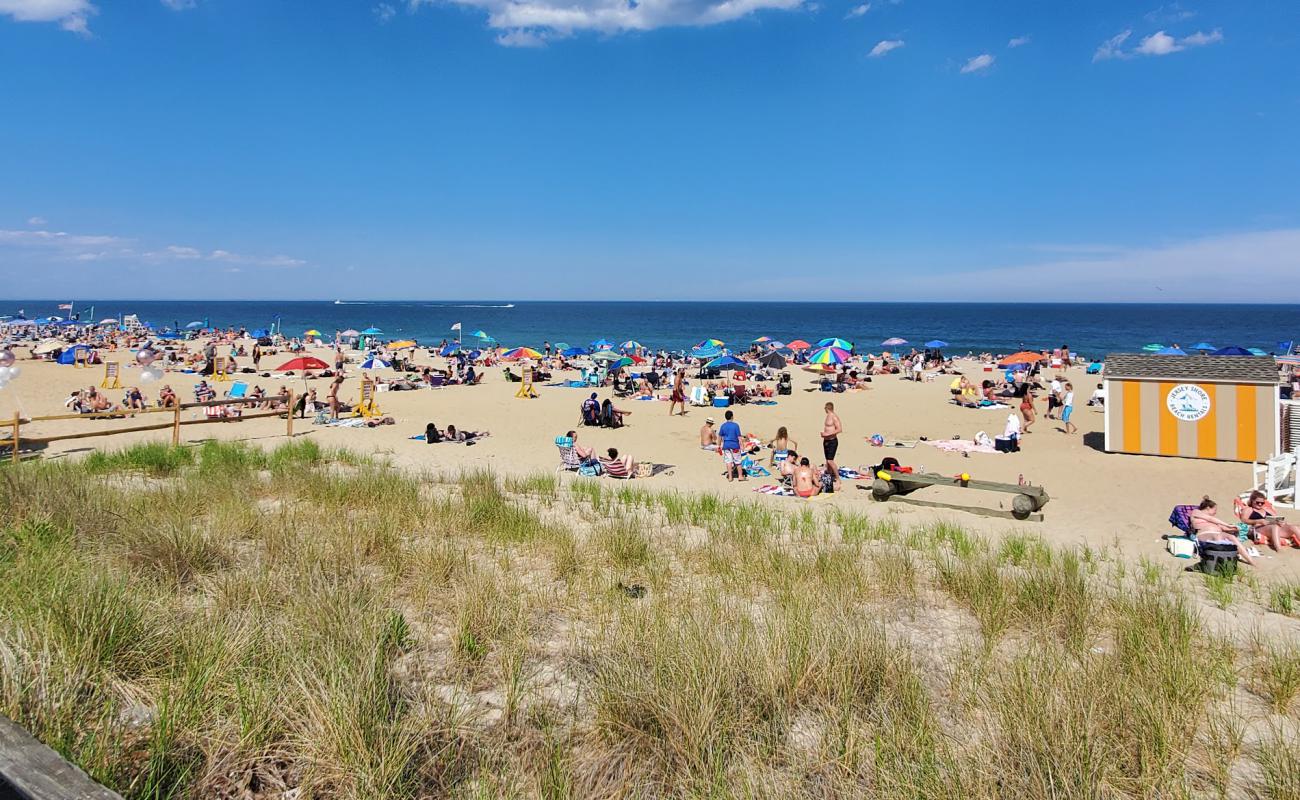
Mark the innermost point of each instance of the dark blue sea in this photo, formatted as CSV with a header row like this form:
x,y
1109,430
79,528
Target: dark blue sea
x,y
1089,329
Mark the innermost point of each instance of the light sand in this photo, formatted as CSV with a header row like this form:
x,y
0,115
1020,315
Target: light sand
x,y
1098,498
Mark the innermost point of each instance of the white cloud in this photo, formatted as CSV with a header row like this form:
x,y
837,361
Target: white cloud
x,y
1200,38
180,5
385,12
884,46
858,11
1112,47
977,63
36,221
1173,12
1019,41
71,15
59,239
184,253
55,246
534,22
1158,44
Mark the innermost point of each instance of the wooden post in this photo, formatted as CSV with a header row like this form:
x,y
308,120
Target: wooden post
x,y
176,426
14,443
288,425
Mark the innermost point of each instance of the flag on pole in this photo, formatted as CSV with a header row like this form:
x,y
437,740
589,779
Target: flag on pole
x,y
65,306
456,327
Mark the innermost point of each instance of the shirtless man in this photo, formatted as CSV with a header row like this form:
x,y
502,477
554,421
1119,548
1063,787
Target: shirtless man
x,y
831,430
334,397
708,436
805,482
679,393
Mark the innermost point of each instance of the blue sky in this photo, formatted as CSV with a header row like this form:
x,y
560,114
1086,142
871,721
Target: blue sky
x,y
747,149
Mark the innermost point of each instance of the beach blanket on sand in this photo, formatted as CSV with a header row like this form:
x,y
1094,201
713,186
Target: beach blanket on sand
x,y
762,402
849,474
778,491
961,446
351,422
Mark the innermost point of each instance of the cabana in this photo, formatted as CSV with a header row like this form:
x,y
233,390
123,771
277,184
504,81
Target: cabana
x,y
1215,407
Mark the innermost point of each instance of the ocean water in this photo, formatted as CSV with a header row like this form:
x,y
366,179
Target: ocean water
x,y
1090,329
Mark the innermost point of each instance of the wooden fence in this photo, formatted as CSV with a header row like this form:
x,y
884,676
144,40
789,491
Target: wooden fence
x,y
16,439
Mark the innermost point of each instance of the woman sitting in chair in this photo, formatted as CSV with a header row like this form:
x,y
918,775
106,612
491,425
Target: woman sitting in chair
x,y
1265,523
1212,530
618,466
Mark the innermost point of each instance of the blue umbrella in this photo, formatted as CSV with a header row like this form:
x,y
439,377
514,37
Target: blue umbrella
x,y
602,344
706,352
1255,351
375,363
1231,351
481,334
726,362
1170,351
572,352
371,331
195,325
1203,346
449,350
935,344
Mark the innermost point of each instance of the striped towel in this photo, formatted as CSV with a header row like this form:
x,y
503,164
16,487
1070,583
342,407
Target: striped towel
x,y
779,491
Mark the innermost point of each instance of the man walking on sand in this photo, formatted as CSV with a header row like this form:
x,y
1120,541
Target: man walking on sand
x,y
729,438
679,393
831,430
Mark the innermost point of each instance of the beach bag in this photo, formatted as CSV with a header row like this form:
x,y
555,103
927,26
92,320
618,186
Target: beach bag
x,y
645,470
1180,547
590,469
983,439
1217,559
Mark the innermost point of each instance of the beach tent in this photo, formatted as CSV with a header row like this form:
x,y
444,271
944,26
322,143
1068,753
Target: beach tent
x,y
69,356
260,333
1231,351
1214,407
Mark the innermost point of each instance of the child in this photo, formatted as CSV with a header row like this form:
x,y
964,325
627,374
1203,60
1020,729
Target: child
x,y
1067,407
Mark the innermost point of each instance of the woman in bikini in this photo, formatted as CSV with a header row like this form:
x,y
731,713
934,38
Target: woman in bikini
x,y
1258,513
1212,530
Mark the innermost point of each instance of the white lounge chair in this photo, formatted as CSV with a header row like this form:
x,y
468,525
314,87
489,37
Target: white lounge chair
x,y
1276,478
699,396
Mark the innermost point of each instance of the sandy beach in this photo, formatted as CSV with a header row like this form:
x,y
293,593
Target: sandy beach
x,y
1097,499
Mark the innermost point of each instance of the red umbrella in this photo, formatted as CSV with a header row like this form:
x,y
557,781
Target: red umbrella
x,y
302,363
798,344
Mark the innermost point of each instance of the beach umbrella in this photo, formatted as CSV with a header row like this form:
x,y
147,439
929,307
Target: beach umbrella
x,y
371,331
705,352
562,346
798,344
709,343
1023,357
312,332
47,346
1203,346
1231,351
602,344
520,352
936,344
573,352
762,340
375,363
350,332
726,362
775,345
109,321
893,341
1290,361
772,360
605,355
259,333
1153,347
1170,351
195,325
449,350
1255,351
481,334
631,344
302,363
622,362
402,345
836,342
830,355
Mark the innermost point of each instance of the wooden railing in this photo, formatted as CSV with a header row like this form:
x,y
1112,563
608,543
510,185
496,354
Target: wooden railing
x,y
16,439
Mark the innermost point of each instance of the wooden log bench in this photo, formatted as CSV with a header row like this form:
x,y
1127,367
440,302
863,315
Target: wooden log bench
x,y
31,771
1026,500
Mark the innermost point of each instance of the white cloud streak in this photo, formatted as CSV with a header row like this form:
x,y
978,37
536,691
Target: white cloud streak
x,y
884,47
36,221
60,246
535,22
977,63
1159,43
71,15
1019,41
858,11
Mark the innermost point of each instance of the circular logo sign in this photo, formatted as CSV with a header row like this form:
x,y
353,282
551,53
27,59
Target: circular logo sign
x,y
1188,402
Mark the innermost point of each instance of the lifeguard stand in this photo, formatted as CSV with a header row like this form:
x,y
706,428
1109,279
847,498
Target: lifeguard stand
x,y
368,407
82,358
112,376
526,389
220,369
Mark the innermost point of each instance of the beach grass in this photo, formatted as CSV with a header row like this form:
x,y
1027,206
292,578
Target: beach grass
x,y
224,621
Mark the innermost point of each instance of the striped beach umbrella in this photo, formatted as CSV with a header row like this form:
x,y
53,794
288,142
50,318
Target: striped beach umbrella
x,y
762,340
829,355
375,363
520,352
836,342
709,343
605,355
894,341
631,344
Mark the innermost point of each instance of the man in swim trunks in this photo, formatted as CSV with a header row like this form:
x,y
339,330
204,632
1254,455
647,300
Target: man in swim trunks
x,y
805,482
831,430
730,437
679,393
708,436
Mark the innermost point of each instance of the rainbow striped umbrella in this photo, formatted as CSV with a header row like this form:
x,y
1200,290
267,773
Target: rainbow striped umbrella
x,y
709,343
631,344
830,355
520,352
837,342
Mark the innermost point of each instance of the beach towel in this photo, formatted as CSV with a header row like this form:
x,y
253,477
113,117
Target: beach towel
x,y
960,446
776,491
849,474
762,402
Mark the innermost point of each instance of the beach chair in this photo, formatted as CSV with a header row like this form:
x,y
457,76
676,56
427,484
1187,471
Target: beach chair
x,y
615,468
590,413
699,396
569,460
1276,479
238,391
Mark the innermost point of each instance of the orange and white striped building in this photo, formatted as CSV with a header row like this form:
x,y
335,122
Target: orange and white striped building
x,y
1218,407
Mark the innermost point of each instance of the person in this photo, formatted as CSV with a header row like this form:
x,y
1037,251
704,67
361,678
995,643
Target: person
x,y
431,434
454,435
787,466
611,417
1067,407
1098,396
257,355
1053,396
804,481
918,367
679,393
590,411
708,436
204,392
629,466
729,437
333,398
583,453
781,445
134,398
339,359
831,430
1026,394
1258,513
167,397
1212,530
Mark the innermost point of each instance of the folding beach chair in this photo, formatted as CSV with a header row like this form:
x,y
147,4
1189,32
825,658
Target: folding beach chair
x,y
569,461
615,468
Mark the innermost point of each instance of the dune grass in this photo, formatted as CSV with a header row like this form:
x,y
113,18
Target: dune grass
x,y
225,621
